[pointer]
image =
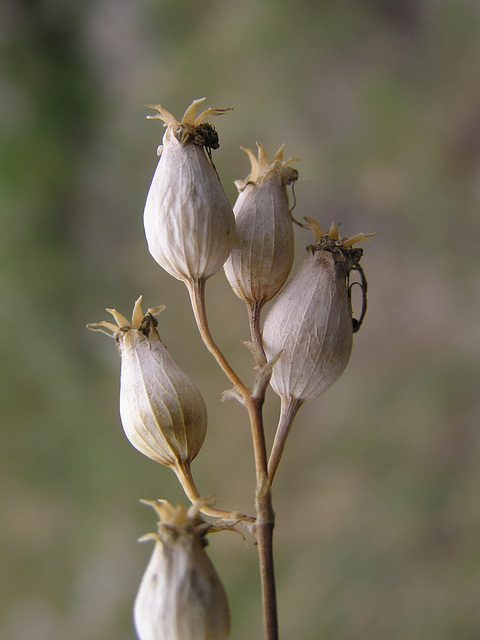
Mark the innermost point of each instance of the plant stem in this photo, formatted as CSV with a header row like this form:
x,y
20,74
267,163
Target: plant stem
x,y
289,410
264,535
254,310
265,521
265,517
196,290
184,475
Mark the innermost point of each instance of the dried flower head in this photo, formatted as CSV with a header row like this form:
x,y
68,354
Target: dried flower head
x,y
180,596
189,223
162,411
262,255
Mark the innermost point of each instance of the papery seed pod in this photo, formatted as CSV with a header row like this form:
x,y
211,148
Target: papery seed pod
x,y
262,255
189,223
180,596
311,325
163,413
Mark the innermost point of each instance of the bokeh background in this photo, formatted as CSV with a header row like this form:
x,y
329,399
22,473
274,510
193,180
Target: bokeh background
x,y
377,498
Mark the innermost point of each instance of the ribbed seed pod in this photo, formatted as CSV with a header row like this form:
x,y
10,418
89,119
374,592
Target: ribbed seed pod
x,y
311,320
311,325
180,596
162,411
189,223
262,255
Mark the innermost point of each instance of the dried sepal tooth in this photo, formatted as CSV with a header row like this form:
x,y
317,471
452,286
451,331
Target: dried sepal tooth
x,y
137,314
163,413
180,596
262,255
189,117
261,167
189,223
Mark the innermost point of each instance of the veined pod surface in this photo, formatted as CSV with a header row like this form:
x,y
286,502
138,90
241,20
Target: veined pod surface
x,y
189,223
311,321
180,596
163,413
263,251
311,325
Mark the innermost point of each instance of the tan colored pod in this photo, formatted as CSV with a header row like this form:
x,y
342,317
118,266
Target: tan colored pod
x,y
180,596
311,323
189,223
262,255
163,413
311,320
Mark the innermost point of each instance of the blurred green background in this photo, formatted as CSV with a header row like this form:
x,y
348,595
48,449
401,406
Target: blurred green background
x,y
378,514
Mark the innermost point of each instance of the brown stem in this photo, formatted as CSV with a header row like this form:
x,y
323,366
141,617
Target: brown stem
x,y
196,290
184,475
254,311
265,521
289,410
254,406
264,535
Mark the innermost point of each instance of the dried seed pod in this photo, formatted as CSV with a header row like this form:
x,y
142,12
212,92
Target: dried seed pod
x,y
311,325
162,411
189,223
180,596
262,255
311,320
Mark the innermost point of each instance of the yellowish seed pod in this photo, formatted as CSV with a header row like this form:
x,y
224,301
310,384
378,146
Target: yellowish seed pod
x,y
189,223
180,596
163,413
262,255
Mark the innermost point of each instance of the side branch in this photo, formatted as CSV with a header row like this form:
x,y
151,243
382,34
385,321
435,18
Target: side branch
x,y
184,475
289,410
196,290
254,310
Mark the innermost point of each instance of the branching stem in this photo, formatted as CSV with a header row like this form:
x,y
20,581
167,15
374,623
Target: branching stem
x,y
265,517
184,475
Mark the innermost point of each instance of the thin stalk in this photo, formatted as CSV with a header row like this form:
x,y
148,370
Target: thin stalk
x,y
196,290
289,409
265,517
265,521
184,475
254,311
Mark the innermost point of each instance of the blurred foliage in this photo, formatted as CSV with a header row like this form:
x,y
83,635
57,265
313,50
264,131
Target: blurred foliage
x,y
377,499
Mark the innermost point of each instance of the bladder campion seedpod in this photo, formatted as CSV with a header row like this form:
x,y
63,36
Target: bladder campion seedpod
x,y
262,255
311,325
180,596
162,411
189,223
